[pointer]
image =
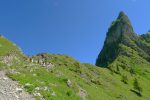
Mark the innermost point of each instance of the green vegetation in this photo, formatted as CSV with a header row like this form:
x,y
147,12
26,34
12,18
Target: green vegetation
x,y
137,87
127,54
126,76
86,81
125,79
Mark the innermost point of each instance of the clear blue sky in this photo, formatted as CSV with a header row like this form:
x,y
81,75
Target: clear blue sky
x,y
73,27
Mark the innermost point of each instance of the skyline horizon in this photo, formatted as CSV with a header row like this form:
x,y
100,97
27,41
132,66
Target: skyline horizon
x,y
67,54
75,28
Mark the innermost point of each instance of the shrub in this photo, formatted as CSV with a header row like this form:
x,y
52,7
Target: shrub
x,y
137,87
69,93
125,79
97,82
132,71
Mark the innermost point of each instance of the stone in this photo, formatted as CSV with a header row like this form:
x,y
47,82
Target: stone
x,y
37,94
19,90
5,78
27,84
53,94
69,83
37,88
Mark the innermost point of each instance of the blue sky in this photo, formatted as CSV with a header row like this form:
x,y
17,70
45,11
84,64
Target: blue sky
x,y
73,27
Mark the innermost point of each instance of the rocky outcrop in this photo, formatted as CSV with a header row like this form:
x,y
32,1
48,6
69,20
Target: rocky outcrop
x,y
120,34
120,29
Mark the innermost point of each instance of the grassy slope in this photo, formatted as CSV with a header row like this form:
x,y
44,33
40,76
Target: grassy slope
x,y
123,66
99,83
6,46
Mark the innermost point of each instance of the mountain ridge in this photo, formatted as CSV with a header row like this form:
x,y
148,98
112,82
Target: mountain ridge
x,y
60,77
120,33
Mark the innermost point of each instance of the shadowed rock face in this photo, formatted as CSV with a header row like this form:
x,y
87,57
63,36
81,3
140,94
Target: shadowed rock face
x,y
146,37
120,33
120,29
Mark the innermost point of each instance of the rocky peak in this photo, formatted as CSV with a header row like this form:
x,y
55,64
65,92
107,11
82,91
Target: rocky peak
x,y
123,17
120,31
146,36
119,28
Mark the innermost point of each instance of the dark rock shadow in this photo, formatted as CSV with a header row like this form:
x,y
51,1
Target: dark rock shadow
x,y
137,93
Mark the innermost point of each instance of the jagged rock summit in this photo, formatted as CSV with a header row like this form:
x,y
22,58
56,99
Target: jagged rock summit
x,y
55,76
120,36
119,29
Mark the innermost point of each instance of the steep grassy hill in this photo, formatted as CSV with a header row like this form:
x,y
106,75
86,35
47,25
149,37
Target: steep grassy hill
x,y
60,77
124,52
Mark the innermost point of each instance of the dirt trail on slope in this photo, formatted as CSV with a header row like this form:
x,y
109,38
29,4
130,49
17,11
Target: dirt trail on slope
x,y
10,90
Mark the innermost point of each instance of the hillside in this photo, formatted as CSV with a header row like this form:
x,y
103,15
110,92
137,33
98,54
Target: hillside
x,y
124,52
60,77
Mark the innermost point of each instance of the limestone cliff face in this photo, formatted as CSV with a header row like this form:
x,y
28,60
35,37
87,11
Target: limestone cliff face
x,y
121,33
119,28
